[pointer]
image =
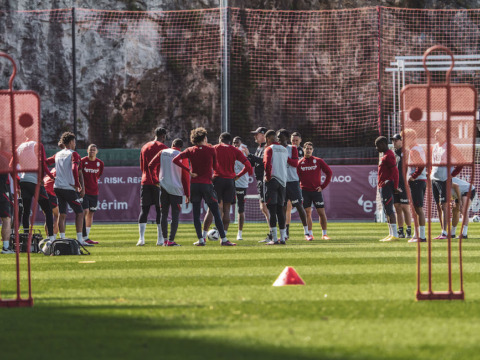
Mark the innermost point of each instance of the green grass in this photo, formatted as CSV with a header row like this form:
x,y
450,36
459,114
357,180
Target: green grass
x,y
218,303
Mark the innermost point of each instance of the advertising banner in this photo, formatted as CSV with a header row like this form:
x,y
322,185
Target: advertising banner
x,y
350,196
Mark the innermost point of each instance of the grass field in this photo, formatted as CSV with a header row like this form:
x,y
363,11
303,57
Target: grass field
x,y
218,303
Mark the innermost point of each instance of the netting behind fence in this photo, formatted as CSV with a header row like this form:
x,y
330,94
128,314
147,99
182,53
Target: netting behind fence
x,y
319,72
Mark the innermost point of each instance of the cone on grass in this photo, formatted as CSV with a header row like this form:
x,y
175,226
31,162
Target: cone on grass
x,y
289,277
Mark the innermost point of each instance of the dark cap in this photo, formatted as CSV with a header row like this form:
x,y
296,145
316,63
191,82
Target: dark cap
x,y
260,130
396,137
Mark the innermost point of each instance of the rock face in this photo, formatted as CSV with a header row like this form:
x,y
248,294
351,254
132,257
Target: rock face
x,y
137,70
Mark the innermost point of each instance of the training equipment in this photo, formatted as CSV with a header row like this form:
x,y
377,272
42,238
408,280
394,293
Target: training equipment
x,y
20,113
289,277
476,218
440,117
36,238
213,235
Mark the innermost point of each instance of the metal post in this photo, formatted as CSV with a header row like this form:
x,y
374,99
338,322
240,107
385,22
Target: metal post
x,y
74,74
225,75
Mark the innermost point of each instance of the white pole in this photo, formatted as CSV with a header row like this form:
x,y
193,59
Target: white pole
x,y
224,34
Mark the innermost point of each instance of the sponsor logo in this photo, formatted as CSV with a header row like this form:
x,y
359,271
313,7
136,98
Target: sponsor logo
x,y
339,179
308,168
372,178
367,205
93,171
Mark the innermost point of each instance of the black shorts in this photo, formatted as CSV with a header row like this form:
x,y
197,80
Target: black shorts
x,y
28,191
203,191
149,195
261,190
240,199
53,201
472,195
294,193
167,200
225,189
401,198
90,202
69,197
314,197
417,188
439,189
386,193
6,205
275,193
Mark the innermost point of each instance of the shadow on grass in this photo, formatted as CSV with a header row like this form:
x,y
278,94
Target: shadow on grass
x,y
137,332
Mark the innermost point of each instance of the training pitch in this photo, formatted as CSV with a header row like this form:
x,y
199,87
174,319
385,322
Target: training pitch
x,y
219,303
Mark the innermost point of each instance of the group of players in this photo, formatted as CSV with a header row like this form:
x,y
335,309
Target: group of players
x,y
391,184
287,176
73,181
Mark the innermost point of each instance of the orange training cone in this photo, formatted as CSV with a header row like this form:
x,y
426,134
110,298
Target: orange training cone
x,y
289,277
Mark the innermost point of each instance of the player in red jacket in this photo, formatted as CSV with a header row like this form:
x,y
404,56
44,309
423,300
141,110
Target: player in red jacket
x,y
309,172
92,168
150,188
388,184
203,159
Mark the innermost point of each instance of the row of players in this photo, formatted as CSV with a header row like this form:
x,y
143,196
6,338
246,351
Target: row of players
x,y
73,181
217,173
392,189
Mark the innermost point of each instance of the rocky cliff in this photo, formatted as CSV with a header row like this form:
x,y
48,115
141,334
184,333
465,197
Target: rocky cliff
x,y
135,71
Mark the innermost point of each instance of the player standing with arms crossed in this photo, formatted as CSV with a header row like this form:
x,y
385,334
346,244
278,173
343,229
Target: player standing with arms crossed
x,y
174,184
92,168
387,184
203,159
309,171
150,190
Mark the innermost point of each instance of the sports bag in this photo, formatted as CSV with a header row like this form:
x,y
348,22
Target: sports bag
x,y
64,247
23,242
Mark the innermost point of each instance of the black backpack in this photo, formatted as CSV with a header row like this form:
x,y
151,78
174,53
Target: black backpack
x,y
65,247
23,242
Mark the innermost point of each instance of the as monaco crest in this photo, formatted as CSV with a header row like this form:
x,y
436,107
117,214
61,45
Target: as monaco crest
x,y
372,178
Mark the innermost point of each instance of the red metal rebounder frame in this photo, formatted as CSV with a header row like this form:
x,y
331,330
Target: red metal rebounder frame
x,y
20,113
450,108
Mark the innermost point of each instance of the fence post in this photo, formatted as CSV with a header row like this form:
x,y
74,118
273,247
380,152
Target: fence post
x,y
225,72
74,74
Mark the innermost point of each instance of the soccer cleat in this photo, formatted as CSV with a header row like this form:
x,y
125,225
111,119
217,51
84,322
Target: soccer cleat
x,y
160,242
409,232
308,237
387,238
273,242
453,236
199,243
83,243
465,237
440,237
88,241
7,251
267,239
141,242
415,240
401,235
239,238
325,237
170,243
228,243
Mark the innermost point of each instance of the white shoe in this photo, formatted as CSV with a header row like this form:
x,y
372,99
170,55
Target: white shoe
x,y
7,251
141,242
83,243
159,242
